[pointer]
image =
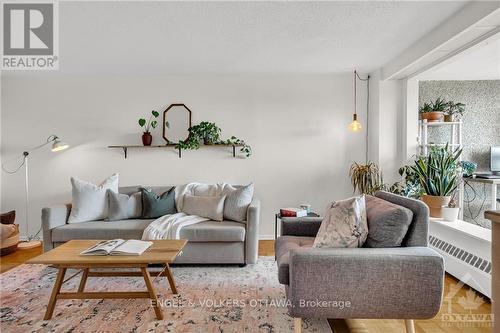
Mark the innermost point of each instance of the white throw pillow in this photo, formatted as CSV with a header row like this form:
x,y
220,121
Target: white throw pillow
x,y
237,201
90,202
344,224
210,207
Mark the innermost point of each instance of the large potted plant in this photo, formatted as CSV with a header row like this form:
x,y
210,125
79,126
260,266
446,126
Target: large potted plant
x,y
433,111
366,178
438,174
147,138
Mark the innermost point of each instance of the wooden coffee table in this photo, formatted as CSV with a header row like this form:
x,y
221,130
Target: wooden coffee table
x,y
68,256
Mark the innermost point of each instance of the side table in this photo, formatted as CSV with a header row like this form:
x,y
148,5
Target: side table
x,y
278,226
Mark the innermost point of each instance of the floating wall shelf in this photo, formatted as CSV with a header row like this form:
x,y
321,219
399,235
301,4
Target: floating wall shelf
x,y
171,145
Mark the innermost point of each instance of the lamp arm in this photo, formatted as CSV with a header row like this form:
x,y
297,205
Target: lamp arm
x,y
25,154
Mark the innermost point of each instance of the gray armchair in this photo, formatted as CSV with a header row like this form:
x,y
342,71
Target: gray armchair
x,y
367,283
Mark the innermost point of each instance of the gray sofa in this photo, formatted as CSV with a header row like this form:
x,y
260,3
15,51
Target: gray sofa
x,y
395,283
209,242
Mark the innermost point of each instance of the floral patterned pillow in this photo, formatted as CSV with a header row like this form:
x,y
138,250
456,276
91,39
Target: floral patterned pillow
x,y
344,224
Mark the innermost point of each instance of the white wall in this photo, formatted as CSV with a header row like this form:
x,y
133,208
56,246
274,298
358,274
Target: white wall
x,y
297,126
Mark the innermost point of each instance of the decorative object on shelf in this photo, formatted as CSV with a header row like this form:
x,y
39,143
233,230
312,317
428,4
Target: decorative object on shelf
x,y
453,111
433,111
450,212
366,178
206,131
468,168
176,123
307,207
147,138
209,133
355,125
57,145
439,176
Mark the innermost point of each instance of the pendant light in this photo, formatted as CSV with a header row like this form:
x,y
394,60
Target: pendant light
x,y
355,125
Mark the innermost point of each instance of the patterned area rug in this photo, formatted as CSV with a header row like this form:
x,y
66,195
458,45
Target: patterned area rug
x,y
211,299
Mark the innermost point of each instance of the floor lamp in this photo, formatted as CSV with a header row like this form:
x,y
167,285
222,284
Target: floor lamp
x,y
57,145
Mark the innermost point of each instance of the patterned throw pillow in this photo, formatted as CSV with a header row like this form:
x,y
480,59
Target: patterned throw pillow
x,y
344,224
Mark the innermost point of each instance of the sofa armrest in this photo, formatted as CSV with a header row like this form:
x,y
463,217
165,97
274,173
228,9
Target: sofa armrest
x,y
252,232
397,283
53,217
300,226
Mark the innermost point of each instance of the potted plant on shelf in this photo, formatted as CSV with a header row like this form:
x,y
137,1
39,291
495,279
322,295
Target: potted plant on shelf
x,y
450,212
206,131
453,111
147,138
366,178
438,174
433,111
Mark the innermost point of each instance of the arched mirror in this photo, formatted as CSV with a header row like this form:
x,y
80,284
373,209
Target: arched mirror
x,y
176,123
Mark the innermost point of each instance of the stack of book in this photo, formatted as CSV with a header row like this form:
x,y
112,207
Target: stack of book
x,y
293,212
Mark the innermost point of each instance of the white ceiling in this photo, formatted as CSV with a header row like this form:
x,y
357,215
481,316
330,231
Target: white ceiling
x,y
479,63
241,37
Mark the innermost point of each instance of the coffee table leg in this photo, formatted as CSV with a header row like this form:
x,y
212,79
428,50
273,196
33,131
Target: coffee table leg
x,y
152,293
170,277
83,281
55,291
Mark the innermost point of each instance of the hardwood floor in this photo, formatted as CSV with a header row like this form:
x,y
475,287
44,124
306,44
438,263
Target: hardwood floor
x,y
464,312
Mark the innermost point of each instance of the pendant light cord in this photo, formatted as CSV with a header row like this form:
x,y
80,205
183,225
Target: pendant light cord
x,y
356,76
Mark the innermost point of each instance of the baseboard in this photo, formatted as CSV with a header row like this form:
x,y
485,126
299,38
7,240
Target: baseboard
x,y
266,237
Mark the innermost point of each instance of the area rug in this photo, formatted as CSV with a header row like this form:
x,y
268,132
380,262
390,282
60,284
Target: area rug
x,y
211,299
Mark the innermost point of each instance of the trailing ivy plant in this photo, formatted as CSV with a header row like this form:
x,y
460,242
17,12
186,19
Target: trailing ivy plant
x,y
210,134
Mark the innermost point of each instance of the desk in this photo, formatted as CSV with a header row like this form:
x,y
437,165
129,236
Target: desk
x,y
492,182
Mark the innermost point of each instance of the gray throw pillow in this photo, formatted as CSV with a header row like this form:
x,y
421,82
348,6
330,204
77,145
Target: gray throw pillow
x,y
154,206
209,207
237,202
388,223
124,206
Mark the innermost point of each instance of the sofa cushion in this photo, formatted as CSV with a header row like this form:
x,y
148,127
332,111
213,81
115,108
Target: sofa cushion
x,y
237,201
124,206
283,246
126,229
387,222
207,231
204,206
214,231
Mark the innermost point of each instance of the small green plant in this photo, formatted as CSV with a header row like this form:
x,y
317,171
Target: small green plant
x,y
439,105
151,123
455,109
366,178
437,172
410,186
245,148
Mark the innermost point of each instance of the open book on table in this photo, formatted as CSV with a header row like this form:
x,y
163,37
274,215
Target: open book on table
x,y
118,247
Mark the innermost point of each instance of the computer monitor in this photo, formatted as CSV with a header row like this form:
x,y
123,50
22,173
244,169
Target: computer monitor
x,y
495,159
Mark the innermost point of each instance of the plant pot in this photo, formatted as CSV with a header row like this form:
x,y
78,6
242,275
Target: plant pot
x,y
433,116
147,138
207,141
448,118
436,204
450,214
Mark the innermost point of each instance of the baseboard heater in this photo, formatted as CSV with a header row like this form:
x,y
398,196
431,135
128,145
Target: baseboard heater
x,y
466,249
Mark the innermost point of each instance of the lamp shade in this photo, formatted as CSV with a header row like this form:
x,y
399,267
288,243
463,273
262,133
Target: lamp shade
x,y
59,145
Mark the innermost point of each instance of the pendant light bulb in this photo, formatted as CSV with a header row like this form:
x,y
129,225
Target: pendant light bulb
x,y
355,125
